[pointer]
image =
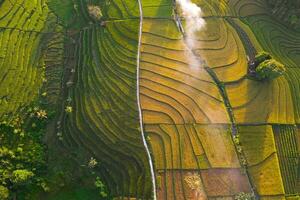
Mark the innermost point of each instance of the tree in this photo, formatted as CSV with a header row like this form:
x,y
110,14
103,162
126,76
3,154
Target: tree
x,y
269,69
266,67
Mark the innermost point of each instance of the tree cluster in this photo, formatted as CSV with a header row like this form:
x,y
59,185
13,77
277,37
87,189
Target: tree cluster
x,y
267,68
22,154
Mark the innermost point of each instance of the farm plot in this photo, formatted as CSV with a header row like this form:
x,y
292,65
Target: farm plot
x,y
222,49
287,138
273,98
195,184
284,45
157,8
100,91
292,76
21,59
191,146
171,90
75,14
215,8
242,8
178,99
261,153
227,57
105,118
195,152
281,42
121,9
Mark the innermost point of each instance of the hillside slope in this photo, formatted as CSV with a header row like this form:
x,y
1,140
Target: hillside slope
x,y
131,111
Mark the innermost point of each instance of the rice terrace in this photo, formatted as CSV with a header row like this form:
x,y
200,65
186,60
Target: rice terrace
x,y
149,99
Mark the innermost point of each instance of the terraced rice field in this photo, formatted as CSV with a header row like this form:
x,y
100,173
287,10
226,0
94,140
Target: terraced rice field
x,y
23,27
182,105
105,120
287,142
182,133
137,104
261,153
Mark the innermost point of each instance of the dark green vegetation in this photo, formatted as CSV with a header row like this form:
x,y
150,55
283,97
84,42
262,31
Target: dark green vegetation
x,y
22,153
78,193
267,68
287,11
261,57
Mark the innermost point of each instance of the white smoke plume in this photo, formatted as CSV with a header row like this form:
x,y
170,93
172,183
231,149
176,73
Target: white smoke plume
x,y
194,23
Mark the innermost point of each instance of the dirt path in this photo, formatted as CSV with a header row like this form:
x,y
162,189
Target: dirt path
x,y
249,47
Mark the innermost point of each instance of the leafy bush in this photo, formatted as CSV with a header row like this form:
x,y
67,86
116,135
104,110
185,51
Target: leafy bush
x,y
269,69
21,176
261,57
266,67
101,187
95,12
4,193
69,109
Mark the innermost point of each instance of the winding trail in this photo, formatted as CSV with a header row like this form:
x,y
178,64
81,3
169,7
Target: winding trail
x,y
139,102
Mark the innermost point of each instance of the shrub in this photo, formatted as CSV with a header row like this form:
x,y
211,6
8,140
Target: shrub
x,y
4,193
269,69
69,109
95,12
21,176
244,196
261,57
101,187
92,163
41,114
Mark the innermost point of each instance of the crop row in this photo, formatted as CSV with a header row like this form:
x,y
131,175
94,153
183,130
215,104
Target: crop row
x,y
288,153
178,97
21,38
104,122
172,91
